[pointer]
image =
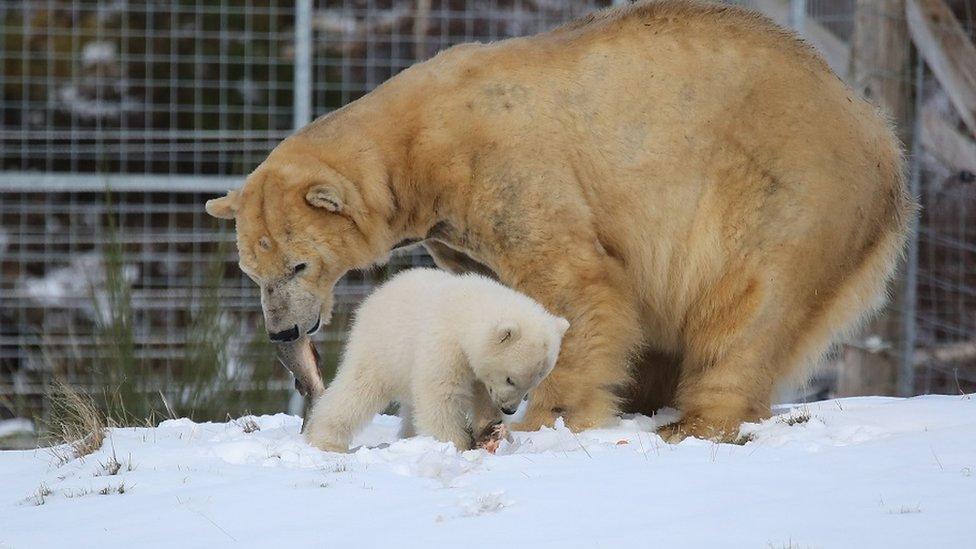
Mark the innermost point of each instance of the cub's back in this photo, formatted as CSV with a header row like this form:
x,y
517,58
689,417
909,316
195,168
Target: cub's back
x,y
390,321
402,302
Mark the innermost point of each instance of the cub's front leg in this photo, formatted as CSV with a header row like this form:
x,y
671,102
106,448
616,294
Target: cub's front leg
x,y
443,399
348,404
487,416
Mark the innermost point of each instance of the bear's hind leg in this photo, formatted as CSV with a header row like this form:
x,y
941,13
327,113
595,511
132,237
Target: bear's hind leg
x,y
717,399
729,367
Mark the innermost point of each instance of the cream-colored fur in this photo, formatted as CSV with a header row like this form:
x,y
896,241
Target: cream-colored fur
x,y
687,183
453,350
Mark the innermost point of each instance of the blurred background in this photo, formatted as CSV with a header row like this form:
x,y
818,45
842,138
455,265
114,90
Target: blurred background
x,y
119,118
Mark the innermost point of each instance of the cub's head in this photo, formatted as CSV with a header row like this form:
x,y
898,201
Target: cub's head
x,y
515,355
304,218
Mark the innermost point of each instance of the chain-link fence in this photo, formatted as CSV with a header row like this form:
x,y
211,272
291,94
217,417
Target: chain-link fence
x,y
118,119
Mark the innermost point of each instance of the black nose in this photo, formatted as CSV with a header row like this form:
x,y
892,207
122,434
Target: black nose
x,y
509,411
284,336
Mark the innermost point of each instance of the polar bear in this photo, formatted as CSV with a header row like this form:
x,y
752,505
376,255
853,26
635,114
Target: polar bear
x,y
687,183
453,351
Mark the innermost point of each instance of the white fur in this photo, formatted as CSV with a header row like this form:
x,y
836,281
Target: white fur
x,y
444,347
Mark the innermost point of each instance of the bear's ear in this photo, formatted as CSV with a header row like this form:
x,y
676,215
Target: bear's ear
x,y
562,325
325,196
506,332
224,207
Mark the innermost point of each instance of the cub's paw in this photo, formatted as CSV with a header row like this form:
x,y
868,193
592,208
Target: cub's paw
x,y
492,436
329,446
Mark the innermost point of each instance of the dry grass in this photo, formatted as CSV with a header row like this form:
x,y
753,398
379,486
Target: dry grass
x,y
796,419
39,496
743,438
247,424
76,427
113,466
108,490
336,468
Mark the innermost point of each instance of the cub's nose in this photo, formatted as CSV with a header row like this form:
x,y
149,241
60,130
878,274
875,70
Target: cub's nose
x,y
284,336
509,411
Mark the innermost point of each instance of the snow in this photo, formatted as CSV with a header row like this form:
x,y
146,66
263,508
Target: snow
x,y
82,276
16,426
98,52
861,472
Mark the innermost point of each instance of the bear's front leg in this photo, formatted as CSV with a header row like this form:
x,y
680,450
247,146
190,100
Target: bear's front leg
x,y
585,287
487,416
443,399
348,404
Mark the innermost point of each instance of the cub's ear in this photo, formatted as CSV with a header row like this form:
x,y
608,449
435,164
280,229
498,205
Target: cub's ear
x,y
224,207
506,332
325,196
562,325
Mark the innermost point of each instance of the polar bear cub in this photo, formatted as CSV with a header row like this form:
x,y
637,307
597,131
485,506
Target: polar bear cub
x,y
453,351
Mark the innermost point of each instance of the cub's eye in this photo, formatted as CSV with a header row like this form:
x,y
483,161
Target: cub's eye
x,y
509,381
300,267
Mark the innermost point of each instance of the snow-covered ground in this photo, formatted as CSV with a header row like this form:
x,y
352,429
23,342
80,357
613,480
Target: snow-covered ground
x,y
863,472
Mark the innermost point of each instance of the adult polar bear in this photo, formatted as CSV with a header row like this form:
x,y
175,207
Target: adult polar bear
x,y
686,183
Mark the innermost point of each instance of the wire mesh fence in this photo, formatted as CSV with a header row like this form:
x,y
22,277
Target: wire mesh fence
x,y
119,118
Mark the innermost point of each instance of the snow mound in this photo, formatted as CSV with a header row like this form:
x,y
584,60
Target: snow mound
x,y
877,472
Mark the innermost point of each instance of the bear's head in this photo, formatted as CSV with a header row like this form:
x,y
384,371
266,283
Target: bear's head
x,y
516,355
305,217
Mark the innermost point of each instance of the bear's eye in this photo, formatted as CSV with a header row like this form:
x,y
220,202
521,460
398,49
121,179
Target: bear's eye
x,y
509,381
300,267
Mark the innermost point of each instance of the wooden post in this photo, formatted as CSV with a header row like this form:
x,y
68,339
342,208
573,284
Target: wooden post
x,y
941,139
881,72
880,60
947,50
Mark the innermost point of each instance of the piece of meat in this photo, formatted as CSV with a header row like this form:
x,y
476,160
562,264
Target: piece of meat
x,y
491,438
302,360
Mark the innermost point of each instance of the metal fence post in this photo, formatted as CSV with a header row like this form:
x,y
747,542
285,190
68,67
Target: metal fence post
x,y
798,15
906,377
302,107
302,103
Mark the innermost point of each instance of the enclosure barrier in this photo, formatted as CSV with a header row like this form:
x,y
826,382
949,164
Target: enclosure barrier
x,y
120,118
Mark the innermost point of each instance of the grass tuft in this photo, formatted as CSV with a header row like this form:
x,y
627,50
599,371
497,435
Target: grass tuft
x,y
796,419
339,467
743,438
113,466
76,427
247,424
109,490
39,497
